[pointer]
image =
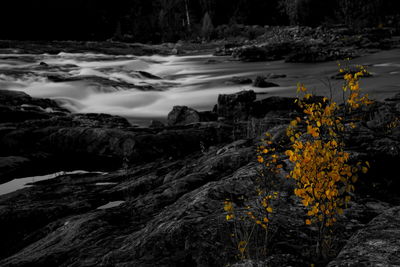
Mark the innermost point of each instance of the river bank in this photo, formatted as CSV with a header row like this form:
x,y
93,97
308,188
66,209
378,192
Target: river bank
x,y
176,176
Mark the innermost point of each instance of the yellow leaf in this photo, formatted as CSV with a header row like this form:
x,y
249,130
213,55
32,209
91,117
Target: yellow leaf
x,y
364,169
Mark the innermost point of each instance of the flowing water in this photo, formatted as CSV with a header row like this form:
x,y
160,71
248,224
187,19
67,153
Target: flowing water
x,y
147,87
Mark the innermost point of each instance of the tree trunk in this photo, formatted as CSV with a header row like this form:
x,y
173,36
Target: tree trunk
x,y
187,14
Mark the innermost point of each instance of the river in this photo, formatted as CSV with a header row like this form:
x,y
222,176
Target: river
x,y
142,88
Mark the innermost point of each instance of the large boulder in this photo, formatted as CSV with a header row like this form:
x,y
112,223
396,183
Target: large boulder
x,y
378,244
236,106
182,115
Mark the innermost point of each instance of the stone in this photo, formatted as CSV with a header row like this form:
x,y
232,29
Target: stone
x,y
378,244
182,115
239,80
236,106
275,76
262,82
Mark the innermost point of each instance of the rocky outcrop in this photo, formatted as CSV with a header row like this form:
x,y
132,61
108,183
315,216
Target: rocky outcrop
x,y
183,195
236,106
182,115
172,187
94,140
378,244
305,44
16,106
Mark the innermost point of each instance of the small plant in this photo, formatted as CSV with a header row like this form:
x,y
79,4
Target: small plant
x,y
324,177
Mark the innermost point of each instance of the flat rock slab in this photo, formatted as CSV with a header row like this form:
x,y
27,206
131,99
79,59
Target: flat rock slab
x,y
378,244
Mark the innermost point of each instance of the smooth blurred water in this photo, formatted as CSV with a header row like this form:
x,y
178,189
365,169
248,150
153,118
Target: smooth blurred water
x,y
97,83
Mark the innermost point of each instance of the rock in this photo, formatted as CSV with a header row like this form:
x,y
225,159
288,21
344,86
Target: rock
x,y
275,103
15,99
149,75
378,244
236,106
262,82
262,53
395,98
175,51
43,64
16,106
207,116
12,165
172,188
187,205
314,54
99,120
275,76
239,80
182,115
156,124
340,75
111,146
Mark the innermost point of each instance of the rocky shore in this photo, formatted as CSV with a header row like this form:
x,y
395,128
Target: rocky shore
x,y
249,43
166,186
309,45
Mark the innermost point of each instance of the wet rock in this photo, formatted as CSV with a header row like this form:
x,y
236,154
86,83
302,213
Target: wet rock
x,y
239,80
262,82
395,98
16,106
15,99
236,106
340,75
275,76
149,75
378,244
182,115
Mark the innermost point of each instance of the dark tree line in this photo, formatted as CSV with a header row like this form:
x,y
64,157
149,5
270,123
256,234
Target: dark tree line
x,y
171,20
